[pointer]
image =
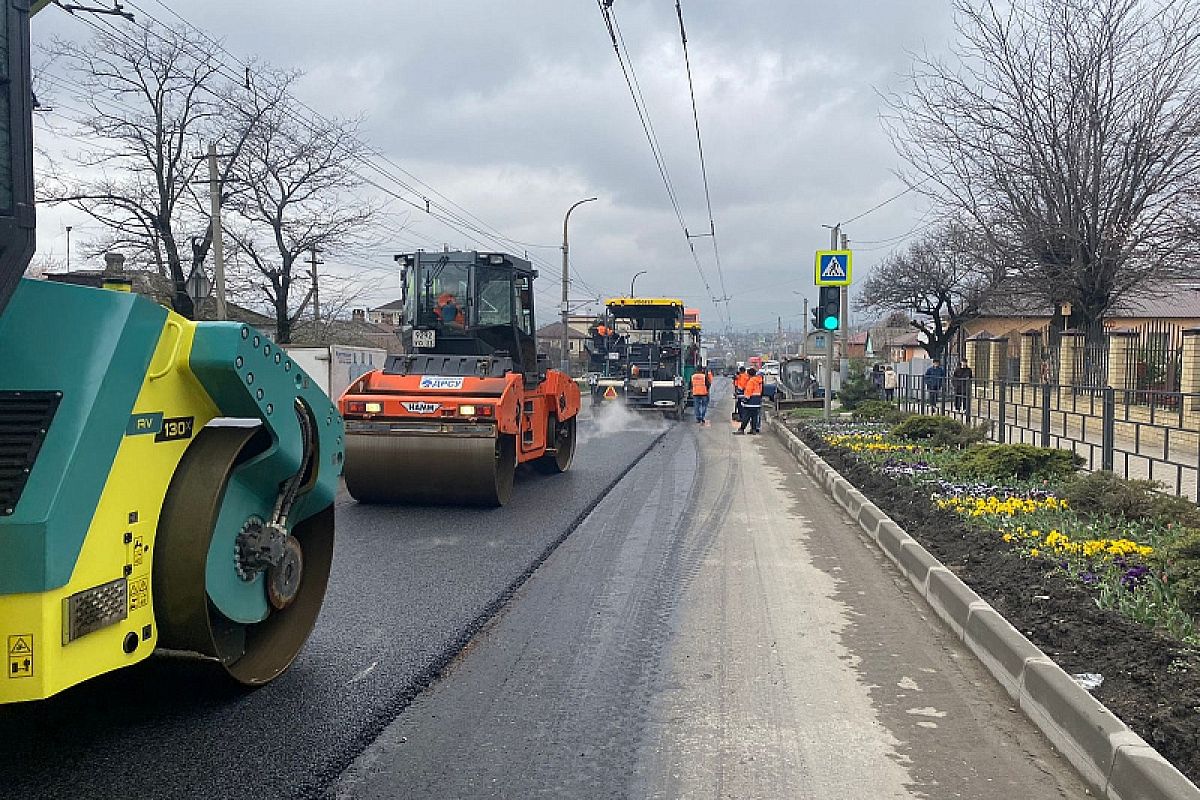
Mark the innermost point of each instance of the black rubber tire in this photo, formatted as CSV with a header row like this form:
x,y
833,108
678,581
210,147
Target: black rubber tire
x,y
564,448
506,470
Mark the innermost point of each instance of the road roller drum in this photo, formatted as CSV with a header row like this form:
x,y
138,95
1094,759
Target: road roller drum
x,y
430,469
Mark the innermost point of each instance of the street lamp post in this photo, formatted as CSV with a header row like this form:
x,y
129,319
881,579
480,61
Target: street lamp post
x,y
68,248
633,280
565,361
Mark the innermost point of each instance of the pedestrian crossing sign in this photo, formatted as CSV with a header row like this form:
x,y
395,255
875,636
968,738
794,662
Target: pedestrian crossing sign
x,y
834,267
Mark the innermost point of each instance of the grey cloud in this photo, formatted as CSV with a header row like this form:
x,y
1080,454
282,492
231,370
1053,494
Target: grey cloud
x,y
516,109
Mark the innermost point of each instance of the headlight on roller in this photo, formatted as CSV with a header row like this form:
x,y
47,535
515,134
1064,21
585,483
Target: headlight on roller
x,y
467,411
374,408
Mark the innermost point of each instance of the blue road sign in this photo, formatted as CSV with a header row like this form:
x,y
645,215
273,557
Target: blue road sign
x,y
834,267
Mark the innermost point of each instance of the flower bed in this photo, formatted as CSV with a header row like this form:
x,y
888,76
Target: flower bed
x,y
1092,590
1110,559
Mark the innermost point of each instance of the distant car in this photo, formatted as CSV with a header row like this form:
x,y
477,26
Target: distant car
x,y
770,368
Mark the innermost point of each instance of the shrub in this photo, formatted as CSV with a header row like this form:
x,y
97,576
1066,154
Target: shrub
x,y
1106,494
939,431
857,387
997,462
1103,493
879,411
1182,557
1179,511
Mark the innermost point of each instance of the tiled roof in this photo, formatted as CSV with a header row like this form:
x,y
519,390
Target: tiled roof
x,y
554,331
1171,300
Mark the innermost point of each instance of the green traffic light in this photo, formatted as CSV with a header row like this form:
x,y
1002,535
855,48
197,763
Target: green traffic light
x,y
831,323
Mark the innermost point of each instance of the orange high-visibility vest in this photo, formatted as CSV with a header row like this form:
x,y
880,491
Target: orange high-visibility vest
x,y
740,381
699,384
754,386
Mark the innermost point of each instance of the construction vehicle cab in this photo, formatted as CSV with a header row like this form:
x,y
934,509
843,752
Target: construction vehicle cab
x,y
650,340
608,351
470,304
470,399
796,384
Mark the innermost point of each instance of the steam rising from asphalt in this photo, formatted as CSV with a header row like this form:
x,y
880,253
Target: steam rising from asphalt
x,y
614,417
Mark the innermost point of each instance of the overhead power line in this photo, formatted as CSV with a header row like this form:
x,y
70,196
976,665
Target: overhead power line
x,y
875,208
712,226
625,61
444,213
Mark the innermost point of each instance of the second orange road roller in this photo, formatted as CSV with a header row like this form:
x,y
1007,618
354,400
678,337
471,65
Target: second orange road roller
x,y
470,400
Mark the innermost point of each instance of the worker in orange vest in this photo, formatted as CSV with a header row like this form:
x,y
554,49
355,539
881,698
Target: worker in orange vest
x,y
739,391
752,402
701,382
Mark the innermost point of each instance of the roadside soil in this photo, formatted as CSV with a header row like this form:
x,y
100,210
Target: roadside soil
x,y
1151,681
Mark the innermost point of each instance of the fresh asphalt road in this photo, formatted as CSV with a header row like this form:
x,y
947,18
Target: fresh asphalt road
x,y
712,627
716,628
409,588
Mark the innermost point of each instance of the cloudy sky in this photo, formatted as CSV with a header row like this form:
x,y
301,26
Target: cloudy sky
x,y
514,110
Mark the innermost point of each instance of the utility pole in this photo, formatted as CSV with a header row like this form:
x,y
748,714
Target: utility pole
x,y
218,238
844,367
804,330
633,280
316,295
68,248
835,234
565,360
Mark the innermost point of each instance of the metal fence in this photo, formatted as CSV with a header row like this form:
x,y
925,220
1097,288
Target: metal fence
x,y
1136,433
1157,363
1153,362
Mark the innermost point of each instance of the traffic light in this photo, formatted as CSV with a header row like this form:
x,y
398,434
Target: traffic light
x,y
829,308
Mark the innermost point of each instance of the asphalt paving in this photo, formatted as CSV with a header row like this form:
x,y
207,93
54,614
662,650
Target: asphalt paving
x,y
409,589
683,614
715,628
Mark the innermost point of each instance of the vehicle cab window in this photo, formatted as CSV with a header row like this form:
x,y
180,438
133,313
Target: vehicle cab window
x,y
495,305
524,288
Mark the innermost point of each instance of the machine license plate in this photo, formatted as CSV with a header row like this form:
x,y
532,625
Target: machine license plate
x,y
424,338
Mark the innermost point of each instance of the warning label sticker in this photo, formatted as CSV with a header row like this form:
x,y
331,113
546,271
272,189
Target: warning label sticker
x,y
20,656
610,393
139,593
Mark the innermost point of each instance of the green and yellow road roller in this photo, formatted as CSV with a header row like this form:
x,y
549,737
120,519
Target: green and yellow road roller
x,y
164,484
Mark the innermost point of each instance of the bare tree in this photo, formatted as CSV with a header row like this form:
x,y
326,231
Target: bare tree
x,y
299,184
937,284
1066,132
154,97
150,93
